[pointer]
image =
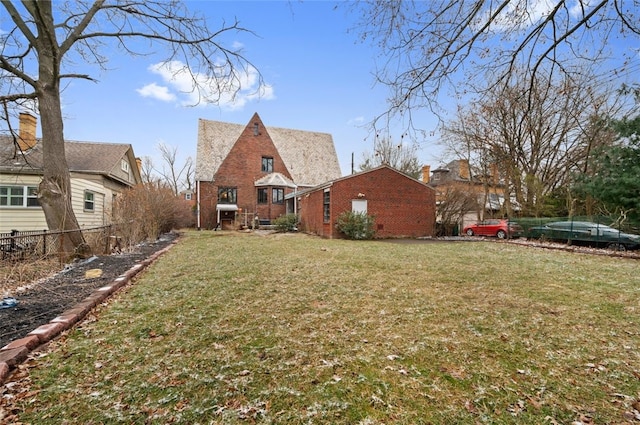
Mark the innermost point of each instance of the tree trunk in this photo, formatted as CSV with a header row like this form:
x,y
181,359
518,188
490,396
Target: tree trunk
x,y
54,191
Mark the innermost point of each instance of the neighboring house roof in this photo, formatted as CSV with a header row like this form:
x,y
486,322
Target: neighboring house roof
x,y
309,156
453,169
84,157
275,179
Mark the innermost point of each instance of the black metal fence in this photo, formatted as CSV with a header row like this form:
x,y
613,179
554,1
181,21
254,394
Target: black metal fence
x,y
23,245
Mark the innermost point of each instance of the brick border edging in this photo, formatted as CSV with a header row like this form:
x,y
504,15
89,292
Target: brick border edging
x,y
16,352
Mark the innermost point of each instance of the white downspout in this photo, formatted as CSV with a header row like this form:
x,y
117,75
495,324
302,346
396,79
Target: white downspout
x,y
198,204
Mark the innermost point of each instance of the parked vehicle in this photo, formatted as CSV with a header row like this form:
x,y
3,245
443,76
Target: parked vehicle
x,y
500,228
585,233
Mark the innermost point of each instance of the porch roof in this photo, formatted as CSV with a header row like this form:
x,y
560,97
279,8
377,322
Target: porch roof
x,y
275,179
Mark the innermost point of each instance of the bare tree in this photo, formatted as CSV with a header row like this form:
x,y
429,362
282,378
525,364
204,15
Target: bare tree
x,y
175,176
426,46
146,170
536,145
37,54
401,156
454,203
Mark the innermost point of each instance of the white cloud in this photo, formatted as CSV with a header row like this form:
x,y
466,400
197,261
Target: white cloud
x,y
517,15
357,121
579,7
228,91
155,91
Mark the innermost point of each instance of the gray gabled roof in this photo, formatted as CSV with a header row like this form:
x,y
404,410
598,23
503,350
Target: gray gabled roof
x,y
85,157
327,184
309,156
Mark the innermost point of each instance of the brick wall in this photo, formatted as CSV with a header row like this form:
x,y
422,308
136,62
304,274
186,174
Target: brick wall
x,y
311,213
403,207
240,169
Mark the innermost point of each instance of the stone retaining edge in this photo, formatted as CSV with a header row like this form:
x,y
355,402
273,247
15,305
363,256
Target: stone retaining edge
x,y
16,352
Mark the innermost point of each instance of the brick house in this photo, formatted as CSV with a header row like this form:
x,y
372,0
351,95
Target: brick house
x,y
485,193
402,206
245,171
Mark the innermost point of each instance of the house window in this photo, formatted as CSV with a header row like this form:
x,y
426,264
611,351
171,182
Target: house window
x,y
227,195
187,196
277,196
124,165
262,196
32,197
326,199
19,196
89,201
267,164
359,206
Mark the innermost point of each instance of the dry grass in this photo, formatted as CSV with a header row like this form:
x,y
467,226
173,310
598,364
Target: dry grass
x,y
16,274
236,328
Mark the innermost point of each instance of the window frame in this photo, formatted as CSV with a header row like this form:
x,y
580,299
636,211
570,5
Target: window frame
x,y
267,164
89,201
263,199
232,195
28,197
124,165
277,195
326,206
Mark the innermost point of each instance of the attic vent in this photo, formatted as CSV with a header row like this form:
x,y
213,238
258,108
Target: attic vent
x,y
255,129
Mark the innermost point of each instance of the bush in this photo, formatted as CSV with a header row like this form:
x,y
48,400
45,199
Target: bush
x,y
356,225
286,223
146,211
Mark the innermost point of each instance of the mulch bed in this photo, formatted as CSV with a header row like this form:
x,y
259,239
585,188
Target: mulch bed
x,y
42,301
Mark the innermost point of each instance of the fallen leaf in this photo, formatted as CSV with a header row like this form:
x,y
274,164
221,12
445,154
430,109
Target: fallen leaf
x,y
92,273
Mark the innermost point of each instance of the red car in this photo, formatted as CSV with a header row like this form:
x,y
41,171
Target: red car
x,y
502,229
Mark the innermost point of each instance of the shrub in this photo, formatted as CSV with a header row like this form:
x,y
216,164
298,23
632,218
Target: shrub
x,y
356,225
146,211
286,223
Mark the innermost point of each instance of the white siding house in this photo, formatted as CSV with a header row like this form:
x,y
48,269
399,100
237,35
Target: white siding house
x,y
99,172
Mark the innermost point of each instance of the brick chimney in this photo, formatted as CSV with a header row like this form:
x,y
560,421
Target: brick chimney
x,y
495,175
464,169
426,173
27,137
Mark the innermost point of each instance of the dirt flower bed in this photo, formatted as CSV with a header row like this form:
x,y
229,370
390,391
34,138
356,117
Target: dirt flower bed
x,y
41,295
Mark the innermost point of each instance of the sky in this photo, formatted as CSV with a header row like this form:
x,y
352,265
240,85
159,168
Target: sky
x,y
319,77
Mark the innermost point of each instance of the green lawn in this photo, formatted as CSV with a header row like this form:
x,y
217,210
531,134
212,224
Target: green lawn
x,y
292,329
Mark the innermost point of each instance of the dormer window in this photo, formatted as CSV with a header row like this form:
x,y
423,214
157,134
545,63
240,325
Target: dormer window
x,y
267,164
